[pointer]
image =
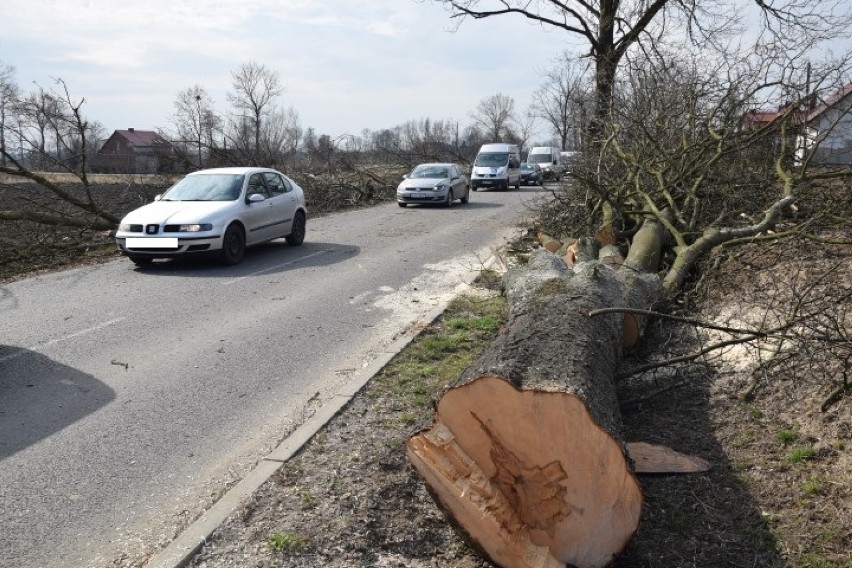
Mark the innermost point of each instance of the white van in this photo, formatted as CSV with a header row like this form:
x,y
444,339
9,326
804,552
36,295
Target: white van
x,y
497,166
550,160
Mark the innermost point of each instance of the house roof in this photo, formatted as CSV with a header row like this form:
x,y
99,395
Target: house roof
x,y
141,138
138,141
760,117
757,118
831,101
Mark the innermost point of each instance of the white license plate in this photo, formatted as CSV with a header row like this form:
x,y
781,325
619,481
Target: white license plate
x,y
151,242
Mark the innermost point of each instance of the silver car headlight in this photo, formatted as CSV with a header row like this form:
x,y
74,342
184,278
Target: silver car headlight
x,y
440,187
195,228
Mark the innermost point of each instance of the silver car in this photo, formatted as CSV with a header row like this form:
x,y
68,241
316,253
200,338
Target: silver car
x,y
441,183
219,211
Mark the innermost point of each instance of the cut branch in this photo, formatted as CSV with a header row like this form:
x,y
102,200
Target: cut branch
x,y
57,220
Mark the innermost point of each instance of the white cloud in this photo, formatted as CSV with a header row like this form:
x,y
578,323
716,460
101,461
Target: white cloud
x,y
346,64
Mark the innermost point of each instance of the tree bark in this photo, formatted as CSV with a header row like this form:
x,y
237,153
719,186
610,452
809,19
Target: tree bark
x,y
525,453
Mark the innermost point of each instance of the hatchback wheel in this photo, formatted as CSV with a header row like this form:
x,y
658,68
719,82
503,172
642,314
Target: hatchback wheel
x,y
297,232
233,245
450,198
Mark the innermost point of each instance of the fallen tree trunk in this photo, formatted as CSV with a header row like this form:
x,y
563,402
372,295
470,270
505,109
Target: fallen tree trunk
x,y
526,453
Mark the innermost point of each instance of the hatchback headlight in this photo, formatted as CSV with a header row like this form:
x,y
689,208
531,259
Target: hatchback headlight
x,y
195,228
440,187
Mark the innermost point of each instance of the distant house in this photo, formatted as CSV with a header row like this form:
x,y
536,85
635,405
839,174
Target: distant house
x,y
135,151
829,124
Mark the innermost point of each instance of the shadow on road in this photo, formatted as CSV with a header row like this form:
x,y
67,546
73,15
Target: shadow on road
x,y
39,397
458,208
274,257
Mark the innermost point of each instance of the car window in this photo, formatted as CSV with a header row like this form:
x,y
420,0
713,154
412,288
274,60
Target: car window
x,y
256,185
276,183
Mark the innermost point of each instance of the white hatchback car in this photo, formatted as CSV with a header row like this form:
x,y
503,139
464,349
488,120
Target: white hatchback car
x,y
219,211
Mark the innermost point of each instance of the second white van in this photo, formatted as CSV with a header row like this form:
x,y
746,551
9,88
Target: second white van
x,y
550,160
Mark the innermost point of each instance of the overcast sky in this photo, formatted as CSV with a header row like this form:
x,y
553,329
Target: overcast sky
x,y
346,64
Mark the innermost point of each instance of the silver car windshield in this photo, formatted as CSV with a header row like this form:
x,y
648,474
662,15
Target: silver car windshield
x,y
206,187
429,172
491,160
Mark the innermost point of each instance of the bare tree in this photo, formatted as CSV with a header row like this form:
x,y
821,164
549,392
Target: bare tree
x,y
524,127
195,122
8,95
493,115
55,117
281,134
255,89
609,28
564,101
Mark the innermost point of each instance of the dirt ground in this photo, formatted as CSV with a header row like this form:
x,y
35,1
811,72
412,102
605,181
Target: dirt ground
x,y
779,492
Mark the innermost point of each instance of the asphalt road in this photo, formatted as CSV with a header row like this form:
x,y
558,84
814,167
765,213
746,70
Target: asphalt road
x,y
130,399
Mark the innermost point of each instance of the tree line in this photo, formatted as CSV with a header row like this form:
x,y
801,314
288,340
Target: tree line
x,y
45,129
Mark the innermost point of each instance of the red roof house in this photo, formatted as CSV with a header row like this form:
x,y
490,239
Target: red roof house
x,y
134,151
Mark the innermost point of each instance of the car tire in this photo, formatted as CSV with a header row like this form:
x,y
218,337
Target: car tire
x,y
466,197
402,204
450,198
140,260
297,231
233,245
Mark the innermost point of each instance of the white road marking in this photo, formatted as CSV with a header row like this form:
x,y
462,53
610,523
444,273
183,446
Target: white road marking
x,y
46,344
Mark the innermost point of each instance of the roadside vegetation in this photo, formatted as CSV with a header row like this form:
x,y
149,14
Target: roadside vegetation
x,y
779,493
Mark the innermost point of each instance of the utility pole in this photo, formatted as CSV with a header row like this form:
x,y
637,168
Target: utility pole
x,y
198,106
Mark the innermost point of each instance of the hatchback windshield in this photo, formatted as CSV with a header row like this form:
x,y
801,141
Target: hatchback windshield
x,y
425,172
206,187
492,160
